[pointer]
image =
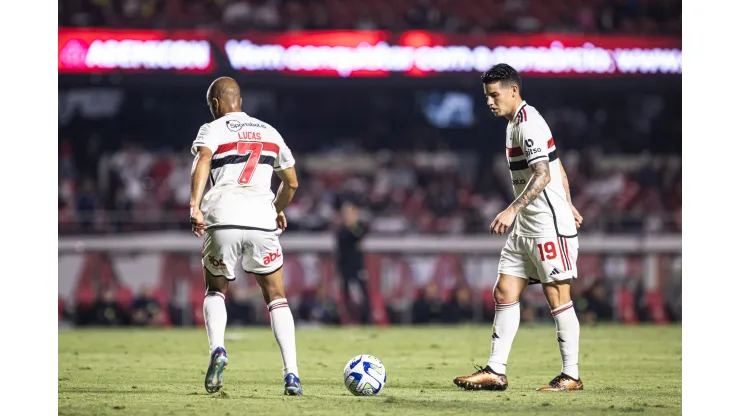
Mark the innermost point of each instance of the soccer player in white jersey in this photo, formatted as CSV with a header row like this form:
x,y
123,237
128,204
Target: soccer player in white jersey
x,y
240,217
543,245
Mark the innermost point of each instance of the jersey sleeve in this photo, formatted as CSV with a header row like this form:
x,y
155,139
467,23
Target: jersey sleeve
x,y
285,156
206,137
535,143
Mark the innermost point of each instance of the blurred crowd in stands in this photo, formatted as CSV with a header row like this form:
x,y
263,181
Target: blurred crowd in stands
x,y
423,192
454,16
316,306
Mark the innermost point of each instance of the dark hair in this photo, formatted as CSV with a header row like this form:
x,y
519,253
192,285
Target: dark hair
x,y
504,73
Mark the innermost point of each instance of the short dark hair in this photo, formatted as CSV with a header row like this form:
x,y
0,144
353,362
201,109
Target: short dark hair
x,y
504,73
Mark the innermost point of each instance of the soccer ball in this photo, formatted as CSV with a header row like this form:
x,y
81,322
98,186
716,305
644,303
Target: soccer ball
x,y
364,375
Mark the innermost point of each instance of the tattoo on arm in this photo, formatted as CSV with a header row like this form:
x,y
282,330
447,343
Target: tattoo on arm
x,y
535,186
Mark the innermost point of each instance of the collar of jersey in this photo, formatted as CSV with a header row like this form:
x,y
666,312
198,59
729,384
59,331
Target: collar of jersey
x,y
520,108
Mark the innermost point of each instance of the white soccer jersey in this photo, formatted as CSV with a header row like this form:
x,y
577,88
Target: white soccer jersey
x,y
246,151
528,141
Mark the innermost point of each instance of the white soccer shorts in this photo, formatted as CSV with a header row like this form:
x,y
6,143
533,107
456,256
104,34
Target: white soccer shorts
x,y
540,259
260,251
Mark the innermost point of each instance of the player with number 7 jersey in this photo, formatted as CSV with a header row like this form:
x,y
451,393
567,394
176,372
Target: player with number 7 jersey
x,y
246,151
241,219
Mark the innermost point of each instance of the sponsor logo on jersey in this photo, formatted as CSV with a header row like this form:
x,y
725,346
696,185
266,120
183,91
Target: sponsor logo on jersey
x,y
219,263
236,125
271,257
530,152
529,142
250,135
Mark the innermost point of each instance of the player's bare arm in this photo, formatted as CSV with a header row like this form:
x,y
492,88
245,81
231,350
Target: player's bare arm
x,y
576,214
535,186
198,178
285,194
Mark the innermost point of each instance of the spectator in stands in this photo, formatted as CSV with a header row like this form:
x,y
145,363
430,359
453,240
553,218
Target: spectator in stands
x,y
428,308
106,311
459,308
351,262
595,305
317,306
239,307
146,309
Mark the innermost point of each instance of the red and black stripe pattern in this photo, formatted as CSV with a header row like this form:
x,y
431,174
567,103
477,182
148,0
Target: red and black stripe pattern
x,y
521,115
562,309
277,304
505,306
220,159
564,254
513,152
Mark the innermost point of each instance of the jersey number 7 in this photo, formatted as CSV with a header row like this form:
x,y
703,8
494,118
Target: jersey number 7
x,y
254,150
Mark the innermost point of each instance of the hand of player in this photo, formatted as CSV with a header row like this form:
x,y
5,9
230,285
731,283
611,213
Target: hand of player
x,y
282,222
197,222
503,221
577,216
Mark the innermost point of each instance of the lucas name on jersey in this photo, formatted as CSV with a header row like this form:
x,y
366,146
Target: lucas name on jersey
x,y
246,152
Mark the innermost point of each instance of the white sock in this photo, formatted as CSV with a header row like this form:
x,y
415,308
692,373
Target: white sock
x,y
214,313
569,332
284,329
505,325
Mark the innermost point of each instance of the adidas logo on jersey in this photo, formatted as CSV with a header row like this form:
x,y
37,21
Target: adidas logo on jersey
x,y
554,271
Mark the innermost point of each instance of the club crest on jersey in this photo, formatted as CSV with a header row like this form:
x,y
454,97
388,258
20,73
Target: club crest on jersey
x,y
236,125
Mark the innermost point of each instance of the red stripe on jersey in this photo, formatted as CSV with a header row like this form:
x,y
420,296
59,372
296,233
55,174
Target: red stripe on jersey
x,y
225,148
524,114
268,146
517,151
514,151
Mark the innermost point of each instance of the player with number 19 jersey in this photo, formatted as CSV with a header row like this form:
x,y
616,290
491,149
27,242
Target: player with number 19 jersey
x,y
246,151
543,246
528,141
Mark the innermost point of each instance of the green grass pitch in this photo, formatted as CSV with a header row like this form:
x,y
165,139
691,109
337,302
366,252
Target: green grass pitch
x,y
625,369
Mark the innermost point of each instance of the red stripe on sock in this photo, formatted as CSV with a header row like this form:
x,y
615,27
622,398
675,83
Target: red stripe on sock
x,y
558,312
502,306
